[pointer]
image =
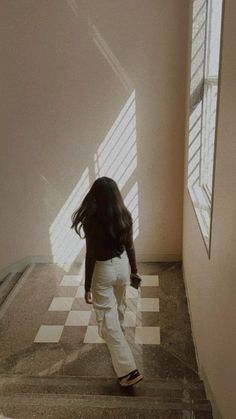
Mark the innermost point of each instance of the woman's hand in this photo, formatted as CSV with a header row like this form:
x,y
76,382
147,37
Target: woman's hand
x,y
135,280
88,297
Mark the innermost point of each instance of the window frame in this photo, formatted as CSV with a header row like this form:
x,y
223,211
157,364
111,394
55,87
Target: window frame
x,y
199,97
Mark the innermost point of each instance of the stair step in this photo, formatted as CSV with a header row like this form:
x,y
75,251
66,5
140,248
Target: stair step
x,y
7,284
109,386
67,397
74,403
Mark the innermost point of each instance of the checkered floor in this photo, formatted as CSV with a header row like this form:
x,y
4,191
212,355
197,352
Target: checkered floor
x,y
69,318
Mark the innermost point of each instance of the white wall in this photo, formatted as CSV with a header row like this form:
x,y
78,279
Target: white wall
x,y
211,282
69,68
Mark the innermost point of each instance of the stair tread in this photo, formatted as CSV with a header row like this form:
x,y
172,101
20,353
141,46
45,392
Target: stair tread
x,y
100,385
74,379
93,388
103,401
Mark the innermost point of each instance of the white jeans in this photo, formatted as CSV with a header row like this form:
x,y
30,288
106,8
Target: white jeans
x,y
109,281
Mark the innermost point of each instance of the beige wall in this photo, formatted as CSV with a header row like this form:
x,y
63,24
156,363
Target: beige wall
x,y
211,282
69,68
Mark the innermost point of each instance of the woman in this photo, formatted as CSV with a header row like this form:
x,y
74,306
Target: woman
x,y
107,225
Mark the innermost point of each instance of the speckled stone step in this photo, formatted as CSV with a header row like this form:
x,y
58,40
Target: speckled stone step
x,y
158,388
101,397
7,284
96,406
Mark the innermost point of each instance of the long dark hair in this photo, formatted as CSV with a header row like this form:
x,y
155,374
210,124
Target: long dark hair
x,y
104,201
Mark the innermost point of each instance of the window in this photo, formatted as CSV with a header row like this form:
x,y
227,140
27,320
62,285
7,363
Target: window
x,y
204,86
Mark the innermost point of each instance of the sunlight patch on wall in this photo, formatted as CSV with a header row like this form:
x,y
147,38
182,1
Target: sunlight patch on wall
x,y
131,201
116,158
65,243
117,155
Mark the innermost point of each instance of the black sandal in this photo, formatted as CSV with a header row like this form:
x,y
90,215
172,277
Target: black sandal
x,y
129,379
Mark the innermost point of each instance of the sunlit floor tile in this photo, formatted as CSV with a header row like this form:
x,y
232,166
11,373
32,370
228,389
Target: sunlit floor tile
x,y
150,280
92,335
80,292
49,333
147,335
61,304
148,304
66,291
71,280
78,318
130,319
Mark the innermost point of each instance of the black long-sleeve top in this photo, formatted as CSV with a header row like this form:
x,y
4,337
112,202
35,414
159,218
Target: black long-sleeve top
x,y
95,249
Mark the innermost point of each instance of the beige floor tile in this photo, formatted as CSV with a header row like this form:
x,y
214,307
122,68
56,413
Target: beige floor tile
x,y
49,333
80,292
61,304
150,280
71,280
148,304
147,335
78,318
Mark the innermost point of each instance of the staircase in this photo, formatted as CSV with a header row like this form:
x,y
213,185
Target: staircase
x,y
63,397
66,380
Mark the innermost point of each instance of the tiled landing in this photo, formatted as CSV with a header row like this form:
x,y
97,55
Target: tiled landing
x,y
48,329
141,316
53,364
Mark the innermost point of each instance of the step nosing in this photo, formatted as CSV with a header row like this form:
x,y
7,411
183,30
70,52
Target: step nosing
x,y
104,401
19,377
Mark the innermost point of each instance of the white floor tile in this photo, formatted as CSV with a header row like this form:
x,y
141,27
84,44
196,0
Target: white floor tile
x,y
130,319
78,318
61,304
92,335
71,280
150,280
80,292
147,335
49,333
148,304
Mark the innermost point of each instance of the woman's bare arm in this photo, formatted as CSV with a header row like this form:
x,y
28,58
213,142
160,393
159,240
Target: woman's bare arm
x,y
89,268
129,247
90,260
